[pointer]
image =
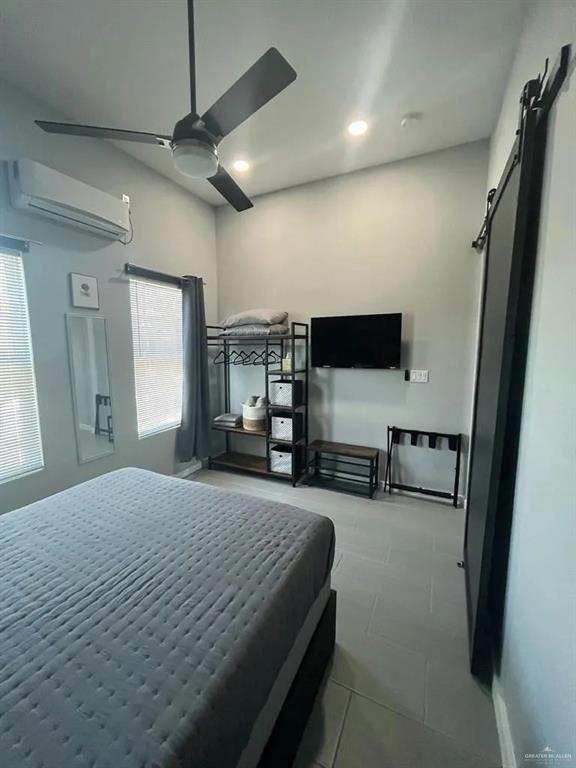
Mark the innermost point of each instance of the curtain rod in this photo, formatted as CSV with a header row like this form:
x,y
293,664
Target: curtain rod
x,y
17,243
152,274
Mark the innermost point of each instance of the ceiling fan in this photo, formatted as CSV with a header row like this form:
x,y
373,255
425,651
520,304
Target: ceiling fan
x,y
195,138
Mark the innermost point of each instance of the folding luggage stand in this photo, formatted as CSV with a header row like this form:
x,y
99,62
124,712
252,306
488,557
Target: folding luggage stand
x,y
454,444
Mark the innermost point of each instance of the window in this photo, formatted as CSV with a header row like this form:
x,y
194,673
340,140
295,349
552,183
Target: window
x,y
157,342
20,439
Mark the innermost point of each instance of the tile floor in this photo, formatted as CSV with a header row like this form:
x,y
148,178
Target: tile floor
x,y
399,694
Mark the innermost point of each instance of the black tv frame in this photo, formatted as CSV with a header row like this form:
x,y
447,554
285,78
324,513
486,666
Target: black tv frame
x,y
358,367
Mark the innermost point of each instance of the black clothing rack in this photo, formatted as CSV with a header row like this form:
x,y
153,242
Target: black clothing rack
x,y
103,400
454,444
299,337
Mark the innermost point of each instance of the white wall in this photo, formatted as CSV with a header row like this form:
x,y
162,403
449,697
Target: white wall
x,y
537,679
390,239
173,231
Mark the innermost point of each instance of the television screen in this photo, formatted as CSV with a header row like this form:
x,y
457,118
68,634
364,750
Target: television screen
x,y
357,341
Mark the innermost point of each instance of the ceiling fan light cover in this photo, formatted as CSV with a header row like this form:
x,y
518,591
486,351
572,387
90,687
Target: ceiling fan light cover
x,y
195,158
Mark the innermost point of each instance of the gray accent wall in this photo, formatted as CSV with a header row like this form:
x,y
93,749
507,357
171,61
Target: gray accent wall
x,y
173,231
535,690
396,238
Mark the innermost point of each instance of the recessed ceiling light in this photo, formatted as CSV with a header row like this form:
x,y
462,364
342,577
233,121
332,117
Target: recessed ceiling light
x,y
358,127
241,166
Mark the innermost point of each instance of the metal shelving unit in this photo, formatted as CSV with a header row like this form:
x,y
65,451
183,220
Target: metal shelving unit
x,y
298,339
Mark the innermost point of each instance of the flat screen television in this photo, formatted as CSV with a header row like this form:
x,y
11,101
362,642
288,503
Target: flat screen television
x,y
357,341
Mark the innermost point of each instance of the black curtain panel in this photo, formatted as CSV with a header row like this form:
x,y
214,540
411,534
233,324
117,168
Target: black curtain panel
x,y
193,436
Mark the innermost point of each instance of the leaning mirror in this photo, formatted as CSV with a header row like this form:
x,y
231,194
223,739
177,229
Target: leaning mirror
x,y
88,352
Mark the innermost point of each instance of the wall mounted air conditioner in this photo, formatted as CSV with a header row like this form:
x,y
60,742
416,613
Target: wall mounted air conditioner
x,y
37,189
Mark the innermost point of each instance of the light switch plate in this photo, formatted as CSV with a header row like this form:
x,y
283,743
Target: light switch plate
x,y
419,377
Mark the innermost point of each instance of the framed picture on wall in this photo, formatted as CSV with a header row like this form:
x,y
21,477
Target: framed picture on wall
x,y
84,291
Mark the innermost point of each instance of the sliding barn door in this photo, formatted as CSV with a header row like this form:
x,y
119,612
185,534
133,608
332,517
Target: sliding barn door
x,y
511,250
489,416
499,385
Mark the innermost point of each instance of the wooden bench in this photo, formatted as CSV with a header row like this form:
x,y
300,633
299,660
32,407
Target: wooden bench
x,y
338,457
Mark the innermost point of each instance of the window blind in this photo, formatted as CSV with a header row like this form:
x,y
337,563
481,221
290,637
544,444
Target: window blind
x,y
156,311
20,437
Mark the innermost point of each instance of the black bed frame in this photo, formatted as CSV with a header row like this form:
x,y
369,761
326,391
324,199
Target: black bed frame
x,y
284,741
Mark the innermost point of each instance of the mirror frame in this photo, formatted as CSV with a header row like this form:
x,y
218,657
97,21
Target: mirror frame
x,y
76,417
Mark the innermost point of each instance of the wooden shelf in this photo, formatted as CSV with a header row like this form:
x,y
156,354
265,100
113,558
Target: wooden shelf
x,y
285,408
251,433
247,463
278,372
239,430
343,449
243,461
286,442
274,338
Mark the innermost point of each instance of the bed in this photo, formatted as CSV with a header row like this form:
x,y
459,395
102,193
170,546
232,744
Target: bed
x,y
152,622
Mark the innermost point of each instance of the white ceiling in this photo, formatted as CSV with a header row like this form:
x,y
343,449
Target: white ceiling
x,y
123,63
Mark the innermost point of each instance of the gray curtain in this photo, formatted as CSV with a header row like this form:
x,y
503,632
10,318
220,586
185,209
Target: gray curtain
x,y
193,440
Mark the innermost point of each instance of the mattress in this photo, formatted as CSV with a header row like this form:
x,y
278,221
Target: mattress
x,y
144,620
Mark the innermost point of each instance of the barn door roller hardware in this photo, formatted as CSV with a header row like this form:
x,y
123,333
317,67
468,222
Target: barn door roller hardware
x,y
537,94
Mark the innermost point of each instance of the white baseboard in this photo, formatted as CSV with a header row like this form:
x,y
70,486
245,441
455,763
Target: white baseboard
x,y
189,470
503,725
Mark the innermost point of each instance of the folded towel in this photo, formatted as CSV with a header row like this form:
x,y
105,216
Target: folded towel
x,y
229,419
256,330
255,317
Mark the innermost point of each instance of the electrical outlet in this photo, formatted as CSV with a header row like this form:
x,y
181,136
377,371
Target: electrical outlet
x,y
419,377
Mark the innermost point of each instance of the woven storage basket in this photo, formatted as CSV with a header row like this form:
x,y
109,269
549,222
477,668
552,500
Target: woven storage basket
x,y
254,418
287,426
281,458
282,392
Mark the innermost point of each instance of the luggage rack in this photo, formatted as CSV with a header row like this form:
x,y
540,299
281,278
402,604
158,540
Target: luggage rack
x,y
454,444
272,350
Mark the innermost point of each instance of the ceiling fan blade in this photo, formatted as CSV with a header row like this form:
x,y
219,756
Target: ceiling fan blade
x,y
91,131
191,55
228,188
264,80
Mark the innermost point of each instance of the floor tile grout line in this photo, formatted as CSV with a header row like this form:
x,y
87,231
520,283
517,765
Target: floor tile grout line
x,y
396,644
426,687
364,557
372,612
375,701
387,561
341,730
462,745
389,642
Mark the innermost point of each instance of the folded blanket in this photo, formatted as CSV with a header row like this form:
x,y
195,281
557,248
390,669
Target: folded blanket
x,y
255,317
229,419
279,329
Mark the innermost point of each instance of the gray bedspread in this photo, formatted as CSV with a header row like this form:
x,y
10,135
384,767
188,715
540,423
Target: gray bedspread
x,y
143,620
